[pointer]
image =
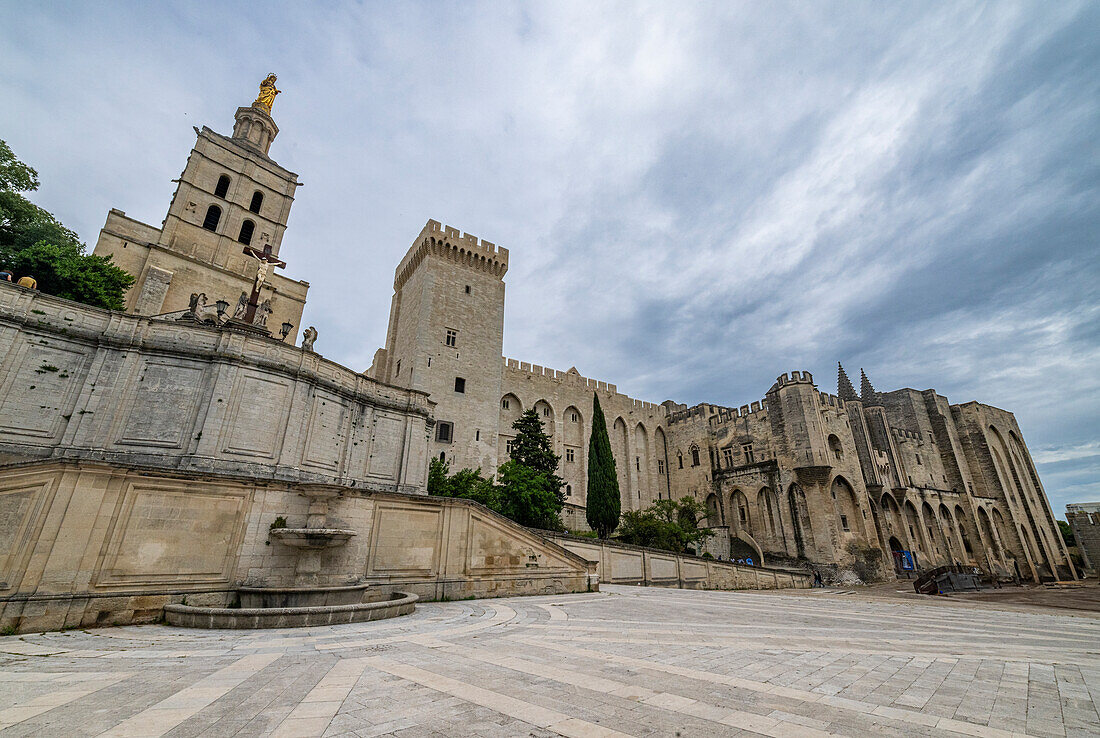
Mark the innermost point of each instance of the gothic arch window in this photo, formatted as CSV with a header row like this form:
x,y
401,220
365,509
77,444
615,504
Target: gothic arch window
x,y
257,201
223,186
695,456
246,232
213,216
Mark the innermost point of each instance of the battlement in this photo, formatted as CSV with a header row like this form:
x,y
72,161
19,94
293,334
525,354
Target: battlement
x,y
573,378
795,377
901,433
828,400
447,242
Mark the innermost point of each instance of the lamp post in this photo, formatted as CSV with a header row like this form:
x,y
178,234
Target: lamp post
x,y
285,329
222,306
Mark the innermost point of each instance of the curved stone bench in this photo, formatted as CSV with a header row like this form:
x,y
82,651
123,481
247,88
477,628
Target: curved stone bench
x,y
187,616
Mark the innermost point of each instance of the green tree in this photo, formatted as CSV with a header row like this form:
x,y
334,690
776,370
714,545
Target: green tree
x,y
604,503
530,489
1067,533
672,525
33,242
467,484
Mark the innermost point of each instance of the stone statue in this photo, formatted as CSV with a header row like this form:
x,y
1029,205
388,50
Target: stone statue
x,y
262,312
242,306
266,98
262,268
200,311
309,335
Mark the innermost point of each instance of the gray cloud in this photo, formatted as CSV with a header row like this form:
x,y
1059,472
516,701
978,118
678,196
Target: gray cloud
x,y
697,197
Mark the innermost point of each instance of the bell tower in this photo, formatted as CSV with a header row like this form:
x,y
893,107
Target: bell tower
x,y
230,196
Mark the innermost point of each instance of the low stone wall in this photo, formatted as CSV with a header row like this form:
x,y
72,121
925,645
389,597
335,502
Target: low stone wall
x,y
619,563
86,543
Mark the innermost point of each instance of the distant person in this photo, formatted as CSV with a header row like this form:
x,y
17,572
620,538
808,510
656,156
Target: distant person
x,y
5,276
28,282
817,579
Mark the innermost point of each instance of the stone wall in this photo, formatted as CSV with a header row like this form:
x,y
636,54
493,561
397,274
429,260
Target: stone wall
x,y
79,382
1084,518
91,544
622,564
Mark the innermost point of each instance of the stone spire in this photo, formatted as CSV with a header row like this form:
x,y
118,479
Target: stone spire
x,y
866,392
844,389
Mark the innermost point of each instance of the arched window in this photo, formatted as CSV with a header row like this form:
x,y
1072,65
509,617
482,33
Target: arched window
x,y
695,456
213,215
246,232
568,490
223,186
257,201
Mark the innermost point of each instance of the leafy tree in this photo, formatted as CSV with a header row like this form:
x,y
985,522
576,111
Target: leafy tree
x,y
467,484
1067,533
530,489
604,503
33,242
527,496
672,525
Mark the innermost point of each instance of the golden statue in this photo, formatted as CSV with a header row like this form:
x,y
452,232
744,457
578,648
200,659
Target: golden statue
x,y
266,98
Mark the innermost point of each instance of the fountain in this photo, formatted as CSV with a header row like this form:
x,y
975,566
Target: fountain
x,y
313,598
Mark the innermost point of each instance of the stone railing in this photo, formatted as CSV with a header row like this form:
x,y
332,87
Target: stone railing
x,y
619,563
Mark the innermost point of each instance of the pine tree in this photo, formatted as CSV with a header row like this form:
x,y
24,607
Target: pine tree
x,y
534,449
604,504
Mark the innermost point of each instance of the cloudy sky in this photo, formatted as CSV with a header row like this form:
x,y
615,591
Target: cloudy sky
x,y
697,196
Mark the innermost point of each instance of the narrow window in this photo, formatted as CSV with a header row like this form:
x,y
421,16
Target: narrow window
x,y
452,337
727,455
509,446
429,362
477,435
743,514
444,432
246,232
442,455
504,403
918,460
467,289
695,457
257,202
223,186
546,412
680,458
660,466
398,372
844,522
573,417
213,215
568,490
638,463
460,385
749,458
569,455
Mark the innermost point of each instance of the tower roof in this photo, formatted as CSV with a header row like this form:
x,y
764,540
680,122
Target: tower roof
x,y
844,389
866,392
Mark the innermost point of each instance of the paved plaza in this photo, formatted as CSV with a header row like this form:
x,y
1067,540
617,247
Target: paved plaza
x,y
622,662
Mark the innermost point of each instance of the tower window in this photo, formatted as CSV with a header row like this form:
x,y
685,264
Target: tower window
x,y
660,466
844,522
467,289
695,457
452,337
568,490
444,432
257,201
573,417
680,458
504,404
247,229
570,455
477,435
223,186
213,216
460,385
546,412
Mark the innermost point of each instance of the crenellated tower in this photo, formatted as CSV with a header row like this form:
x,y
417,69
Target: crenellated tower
x,y
446,337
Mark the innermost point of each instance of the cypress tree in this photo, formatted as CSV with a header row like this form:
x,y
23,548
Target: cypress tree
x,y
604,504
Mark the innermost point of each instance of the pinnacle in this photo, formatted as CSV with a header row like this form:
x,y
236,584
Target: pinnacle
x,y
866,392
844,389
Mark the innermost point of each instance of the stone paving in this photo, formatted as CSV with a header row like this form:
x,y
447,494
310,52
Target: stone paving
x,y
622,662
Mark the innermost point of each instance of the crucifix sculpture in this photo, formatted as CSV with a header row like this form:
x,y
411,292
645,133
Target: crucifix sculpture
x,y
266,260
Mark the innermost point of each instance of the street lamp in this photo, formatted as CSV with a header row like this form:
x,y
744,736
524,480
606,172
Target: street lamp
x,y
222,306
285,329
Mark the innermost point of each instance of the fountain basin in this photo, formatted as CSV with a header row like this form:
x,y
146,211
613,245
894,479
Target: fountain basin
x,y
312,537
399,603
252,597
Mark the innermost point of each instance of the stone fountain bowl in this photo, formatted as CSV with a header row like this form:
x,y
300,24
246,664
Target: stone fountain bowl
x,y
398,603
312,537
351,594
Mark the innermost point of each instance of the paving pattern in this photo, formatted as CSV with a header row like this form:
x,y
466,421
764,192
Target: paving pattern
x,y
623,662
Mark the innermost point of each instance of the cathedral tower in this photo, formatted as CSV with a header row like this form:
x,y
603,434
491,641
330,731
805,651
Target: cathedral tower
x,y
230,195
445,337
